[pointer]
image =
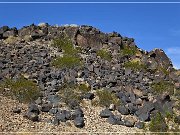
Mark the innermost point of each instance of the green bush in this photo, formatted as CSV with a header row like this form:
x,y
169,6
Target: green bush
x,y
104,54
64,43
158,124
129,50
106,98
70,58
83,88
134,65
163,86
67,61
69,93
21,89
73,92
165,71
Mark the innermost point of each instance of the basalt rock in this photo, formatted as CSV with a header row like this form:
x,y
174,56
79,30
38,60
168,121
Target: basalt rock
x,y
161,58
131,84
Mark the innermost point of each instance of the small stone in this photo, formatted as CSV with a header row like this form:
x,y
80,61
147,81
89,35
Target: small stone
x,y
144,117
128,123
112,107
16,110
46,107
55,121
89,96
53,110
38,101
32,116
177,119
33,108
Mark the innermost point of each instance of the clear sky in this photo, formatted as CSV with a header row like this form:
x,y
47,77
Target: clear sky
x,y
152,25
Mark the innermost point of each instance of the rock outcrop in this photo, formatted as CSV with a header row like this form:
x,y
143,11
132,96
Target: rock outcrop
x,y
111,62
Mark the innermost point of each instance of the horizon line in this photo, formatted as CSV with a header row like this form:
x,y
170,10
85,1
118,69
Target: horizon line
x,y
78,2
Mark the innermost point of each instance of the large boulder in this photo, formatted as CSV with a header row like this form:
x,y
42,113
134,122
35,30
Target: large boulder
x,y
161,58
77,113
12,32
26,30
2,30
90,37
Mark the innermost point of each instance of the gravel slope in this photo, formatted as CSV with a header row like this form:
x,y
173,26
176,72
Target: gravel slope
x,y
11,122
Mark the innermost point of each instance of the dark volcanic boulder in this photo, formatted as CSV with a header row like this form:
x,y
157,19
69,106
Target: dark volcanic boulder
x,y
3,30
17,110
114,120
33,108
161,58
139,125
90,37
128,123
105,113
32,116
144,116
12,32
46,107
79,122
60,116
144,112
77,113
123,110
89,96
26,30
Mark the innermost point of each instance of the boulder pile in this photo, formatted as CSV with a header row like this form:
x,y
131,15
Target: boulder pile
x,y
144,83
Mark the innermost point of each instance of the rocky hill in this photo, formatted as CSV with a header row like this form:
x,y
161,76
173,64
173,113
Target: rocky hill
x,y
80,76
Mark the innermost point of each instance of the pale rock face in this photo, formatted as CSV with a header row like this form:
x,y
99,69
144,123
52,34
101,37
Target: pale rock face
x,y
43,24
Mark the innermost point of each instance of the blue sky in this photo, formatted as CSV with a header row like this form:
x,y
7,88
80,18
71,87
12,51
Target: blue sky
x,y
152,25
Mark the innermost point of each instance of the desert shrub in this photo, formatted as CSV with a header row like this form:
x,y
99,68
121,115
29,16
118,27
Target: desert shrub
x,y
83,88
27,38
11,40
136,65
73,92
21,89
163,70
168,115
129,50
158,124
65,43
163,86
104,54
70,58
106,98
69,93
67,61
